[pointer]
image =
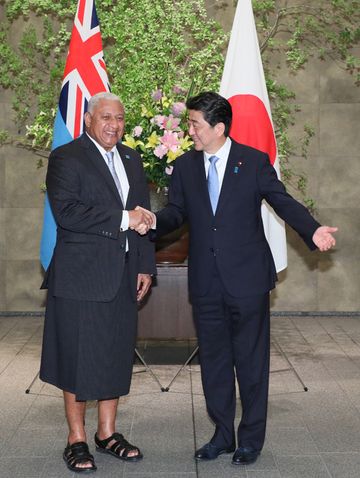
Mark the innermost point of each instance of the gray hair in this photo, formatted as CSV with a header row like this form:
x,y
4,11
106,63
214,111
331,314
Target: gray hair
x,y
105,95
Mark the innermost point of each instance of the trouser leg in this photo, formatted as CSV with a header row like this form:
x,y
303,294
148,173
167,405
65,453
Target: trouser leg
x,y
217,367
250,319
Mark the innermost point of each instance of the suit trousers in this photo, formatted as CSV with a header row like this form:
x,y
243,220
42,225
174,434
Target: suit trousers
x,y
234,343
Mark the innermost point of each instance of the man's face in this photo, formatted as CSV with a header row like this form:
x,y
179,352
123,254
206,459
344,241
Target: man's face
x,y
206,138
106,123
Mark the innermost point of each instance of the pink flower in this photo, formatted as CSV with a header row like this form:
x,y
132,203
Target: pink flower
x,y
169,170
178,108
159,120
177,90
137,131
170,140
156,95
160,151
171,122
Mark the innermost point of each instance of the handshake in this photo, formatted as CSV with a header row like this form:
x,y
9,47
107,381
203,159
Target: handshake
x,y
141,220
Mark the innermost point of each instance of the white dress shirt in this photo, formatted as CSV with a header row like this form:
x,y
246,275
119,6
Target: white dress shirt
x,y
121,173
222,154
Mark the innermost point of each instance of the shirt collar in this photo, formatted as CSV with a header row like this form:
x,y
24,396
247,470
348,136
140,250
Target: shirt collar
x,y
222,153
100,148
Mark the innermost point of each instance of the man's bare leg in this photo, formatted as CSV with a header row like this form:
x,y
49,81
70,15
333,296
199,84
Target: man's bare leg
x,y
75,415
107,410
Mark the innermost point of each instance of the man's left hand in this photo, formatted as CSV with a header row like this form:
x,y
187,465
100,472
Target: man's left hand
x,y
143,285
323,238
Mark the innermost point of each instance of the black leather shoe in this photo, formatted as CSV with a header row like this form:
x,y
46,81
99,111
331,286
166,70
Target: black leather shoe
x,y
245,456
210,451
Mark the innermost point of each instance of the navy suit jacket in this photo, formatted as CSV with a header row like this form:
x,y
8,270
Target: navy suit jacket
x,y
235,235
89,255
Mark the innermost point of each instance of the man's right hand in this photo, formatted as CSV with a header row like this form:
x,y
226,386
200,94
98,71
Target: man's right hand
x,y
141,220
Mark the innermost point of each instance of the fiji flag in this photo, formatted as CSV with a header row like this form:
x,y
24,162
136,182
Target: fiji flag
x,y
84,76
243,83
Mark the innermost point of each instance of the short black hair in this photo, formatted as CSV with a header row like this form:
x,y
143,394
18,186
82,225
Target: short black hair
x,y
215,108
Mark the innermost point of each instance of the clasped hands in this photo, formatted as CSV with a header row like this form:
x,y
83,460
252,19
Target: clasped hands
x,y
141,220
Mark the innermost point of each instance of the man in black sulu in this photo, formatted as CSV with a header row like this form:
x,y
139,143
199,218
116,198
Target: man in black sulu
x,y
100,268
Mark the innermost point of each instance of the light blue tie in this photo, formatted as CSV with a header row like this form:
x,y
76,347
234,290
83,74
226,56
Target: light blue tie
x,y
110,157
213,182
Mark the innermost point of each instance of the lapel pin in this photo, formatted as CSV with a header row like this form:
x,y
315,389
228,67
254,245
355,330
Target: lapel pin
x,y
127,156
236,169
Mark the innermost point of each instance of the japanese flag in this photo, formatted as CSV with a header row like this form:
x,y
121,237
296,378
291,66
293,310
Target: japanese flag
x,y
243,84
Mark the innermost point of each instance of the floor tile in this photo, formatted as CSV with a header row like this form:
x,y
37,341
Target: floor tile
x,y
312,434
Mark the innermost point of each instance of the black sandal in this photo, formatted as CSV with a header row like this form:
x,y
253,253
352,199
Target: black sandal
x,y
120,448
76,454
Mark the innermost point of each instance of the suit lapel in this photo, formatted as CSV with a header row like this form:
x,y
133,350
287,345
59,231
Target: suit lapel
x,y
200,177
99,163
125,156
232,176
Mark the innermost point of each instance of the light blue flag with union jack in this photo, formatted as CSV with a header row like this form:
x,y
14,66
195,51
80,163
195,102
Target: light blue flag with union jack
x,y
84,76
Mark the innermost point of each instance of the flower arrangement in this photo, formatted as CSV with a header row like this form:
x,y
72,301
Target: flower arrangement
x,y
160,136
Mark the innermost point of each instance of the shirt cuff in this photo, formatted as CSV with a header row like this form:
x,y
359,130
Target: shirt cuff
x,y
124,226
154,224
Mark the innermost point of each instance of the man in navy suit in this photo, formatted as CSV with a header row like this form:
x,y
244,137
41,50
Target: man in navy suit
x,y
100,268
218,188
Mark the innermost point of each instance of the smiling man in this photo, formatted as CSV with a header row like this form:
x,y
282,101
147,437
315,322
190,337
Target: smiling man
x,y
100,268
218,188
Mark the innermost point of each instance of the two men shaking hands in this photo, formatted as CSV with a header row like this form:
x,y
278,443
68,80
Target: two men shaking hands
x,y
101,268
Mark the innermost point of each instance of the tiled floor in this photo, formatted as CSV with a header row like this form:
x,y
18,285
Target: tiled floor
x,y
313,434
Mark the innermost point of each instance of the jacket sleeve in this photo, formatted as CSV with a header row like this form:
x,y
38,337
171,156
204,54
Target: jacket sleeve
x,y
291,211
173,215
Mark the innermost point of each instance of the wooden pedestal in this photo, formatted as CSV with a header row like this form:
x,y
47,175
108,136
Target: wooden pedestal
x,y
167,313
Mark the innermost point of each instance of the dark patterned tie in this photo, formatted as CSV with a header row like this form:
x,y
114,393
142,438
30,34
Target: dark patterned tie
x,y
110,157
213,182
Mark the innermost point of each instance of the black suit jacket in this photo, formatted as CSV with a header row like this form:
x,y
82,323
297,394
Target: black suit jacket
x,y
89,255
235,235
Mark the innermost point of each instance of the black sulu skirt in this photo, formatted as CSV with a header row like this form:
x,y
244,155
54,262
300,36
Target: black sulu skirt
x,y
88,347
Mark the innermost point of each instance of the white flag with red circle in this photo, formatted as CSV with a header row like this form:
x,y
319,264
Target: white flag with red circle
x,y
243,84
